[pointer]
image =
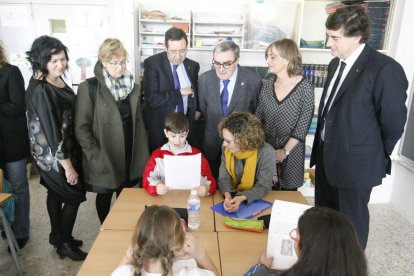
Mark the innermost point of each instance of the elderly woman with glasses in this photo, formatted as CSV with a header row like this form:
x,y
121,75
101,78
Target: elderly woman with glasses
x,y
247,163
325,243
109,127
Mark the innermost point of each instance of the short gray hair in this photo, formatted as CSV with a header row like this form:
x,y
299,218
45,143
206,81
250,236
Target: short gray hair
x,y
227,45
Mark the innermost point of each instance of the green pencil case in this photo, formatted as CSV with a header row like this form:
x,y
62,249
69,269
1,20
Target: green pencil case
x,y
244,224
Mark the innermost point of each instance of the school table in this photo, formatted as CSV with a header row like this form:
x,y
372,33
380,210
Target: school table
x,y
131,203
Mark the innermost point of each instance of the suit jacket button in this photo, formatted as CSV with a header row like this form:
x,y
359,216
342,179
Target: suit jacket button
x,y
107,124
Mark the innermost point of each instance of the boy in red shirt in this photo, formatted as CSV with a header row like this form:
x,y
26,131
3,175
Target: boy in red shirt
x,y
176,130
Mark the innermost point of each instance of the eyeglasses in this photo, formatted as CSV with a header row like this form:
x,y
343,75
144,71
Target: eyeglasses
x,y
226,65
117,64
228,141
175,52
294,235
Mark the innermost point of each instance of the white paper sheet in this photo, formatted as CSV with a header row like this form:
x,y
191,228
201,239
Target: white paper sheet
x,y
284,218
182,172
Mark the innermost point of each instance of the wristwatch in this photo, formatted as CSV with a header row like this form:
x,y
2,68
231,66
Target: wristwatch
x,y
286,152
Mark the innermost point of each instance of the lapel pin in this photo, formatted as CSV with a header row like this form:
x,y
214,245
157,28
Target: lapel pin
x,y
357,70
242,83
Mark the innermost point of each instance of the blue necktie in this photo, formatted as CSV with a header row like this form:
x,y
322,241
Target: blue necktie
x,y
224,97
180,105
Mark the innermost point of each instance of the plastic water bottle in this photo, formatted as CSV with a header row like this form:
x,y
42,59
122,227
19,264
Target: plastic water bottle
x,y
193,209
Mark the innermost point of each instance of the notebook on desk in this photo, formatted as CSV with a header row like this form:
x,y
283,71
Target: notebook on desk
x,y
245,211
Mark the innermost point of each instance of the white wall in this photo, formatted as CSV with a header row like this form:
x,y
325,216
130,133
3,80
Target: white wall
x,y
403,181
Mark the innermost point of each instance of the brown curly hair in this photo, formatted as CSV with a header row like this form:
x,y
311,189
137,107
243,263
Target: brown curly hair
x,y
158,235
246,128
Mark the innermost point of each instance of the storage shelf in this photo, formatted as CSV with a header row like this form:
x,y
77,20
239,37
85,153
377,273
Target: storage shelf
x,y
219,23
164,21
219,35
155,33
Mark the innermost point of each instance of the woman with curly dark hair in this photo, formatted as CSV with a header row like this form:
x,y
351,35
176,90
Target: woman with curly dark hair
x,y
50,104
248,163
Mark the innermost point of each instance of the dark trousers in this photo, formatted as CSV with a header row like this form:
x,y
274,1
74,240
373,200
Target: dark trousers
x,y
353,203
215,165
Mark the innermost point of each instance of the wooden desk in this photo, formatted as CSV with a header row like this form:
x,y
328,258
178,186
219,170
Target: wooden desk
x,y
271,197
131,203
239,251
4,197
110,246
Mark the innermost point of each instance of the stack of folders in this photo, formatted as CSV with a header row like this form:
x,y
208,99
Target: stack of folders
x,y
315,73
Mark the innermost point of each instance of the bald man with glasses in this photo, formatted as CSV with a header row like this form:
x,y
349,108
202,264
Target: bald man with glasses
x,y
224,89
170,85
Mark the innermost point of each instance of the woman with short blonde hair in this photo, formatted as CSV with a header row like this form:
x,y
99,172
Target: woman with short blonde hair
x,y
109,127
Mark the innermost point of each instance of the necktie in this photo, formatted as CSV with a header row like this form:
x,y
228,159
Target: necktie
x,y
331,96
224,97
180,105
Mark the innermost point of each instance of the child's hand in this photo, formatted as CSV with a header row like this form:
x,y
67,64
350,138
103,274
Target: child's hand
x,y
192,247
265,260
202,190
162,189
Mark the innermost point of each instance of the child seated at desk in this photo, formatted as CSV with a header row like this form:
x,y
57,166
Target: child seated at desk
x,y
160,246
326,244
176,130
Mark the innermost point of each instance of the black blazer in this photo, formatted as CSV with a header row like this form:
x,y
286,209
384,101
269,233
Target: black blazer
x,y
365,121
160,97
14,143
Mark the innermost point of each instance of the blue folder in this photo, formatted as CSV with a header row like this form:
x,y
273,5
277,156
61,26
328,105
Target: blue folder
x,y
245,211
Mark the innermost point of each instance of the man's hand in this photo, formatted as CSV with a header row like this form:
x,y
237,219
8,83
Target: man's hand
x,y
187,91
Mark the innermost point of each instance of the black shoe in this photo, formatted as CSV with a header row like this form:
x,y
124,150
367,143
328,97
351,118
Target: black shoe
x,y
3,235
67,249
54,240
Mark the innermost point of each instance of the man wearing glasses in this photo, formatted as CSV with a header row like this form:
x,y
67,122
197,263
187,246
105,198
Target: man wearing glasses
x,y
170,84
222,90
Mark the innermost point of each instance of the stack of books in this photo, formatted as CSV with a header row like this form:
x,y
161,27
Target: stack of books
x,y
315,73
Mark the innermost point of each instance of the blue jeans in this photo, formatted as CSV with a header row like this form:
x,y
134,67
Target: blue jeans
x,y
16,174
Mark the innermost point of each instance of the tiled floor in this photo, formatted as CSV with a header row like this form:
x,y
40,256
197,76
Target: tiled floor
x,y
390,248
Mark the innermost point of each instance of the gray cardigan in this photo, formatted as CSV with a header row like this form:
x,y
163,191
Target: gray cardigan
x,y
265,170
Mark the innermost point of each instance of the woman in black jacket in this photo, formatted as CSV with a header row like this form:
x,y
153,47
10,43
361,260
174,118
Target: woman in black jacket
x,y
14,146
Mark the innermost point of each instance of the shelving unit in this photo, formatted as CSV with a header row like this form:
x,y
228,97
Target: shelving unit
x,y
210,28
153,24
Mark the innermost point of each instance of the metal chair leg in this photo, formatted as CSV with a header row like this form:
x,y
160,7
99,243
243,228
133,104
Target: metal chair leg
x,y
14,247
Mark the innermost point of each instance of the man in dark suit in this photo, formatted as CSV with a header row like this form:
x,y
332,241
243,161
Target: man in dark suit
x,y
170,84
223,90
362,114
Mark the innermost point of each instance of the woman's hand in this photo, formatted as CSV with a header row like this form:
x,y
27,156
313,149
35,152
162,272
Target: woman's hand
x,y
162,189
280,156
71,176
232,205
266,261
